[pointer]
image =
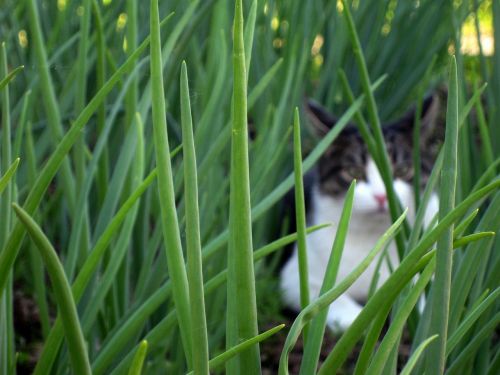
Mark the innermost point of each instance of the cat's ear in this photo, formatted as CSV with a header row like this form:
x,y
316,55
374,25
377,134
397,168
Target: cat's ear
x,y
431,119
321,119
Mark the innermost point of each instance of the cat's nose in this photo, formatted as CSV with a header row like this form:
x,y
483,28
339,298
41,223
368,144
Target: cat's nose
x,y
381,199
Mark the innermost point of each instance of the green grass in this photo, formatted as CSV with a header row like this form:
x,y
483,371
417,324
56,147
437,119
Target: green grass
x,y
151,205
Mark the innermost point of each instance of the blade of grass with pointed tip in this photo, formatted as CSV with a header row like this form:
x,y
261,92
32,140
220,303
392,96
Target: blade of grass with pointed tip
x,y
235,350
4,180
9,77
169,219
242,305
62,292
300,215
138,361
312,348
441,297
193,243
416,355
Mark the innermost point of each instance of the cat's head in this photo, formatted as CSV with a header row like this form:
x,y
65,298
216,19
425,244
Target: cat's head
x,y
348,158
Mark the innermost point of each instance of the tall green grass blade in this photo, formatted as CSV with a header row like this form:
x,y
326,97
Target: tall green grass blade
x,y
300,215
6,304
441,297
193,243
241,301
62,291
169,219
315,339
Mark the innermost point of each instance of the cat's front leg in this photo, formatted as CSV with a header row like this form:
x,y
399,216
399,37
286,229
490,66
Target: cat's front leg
x,y
342,313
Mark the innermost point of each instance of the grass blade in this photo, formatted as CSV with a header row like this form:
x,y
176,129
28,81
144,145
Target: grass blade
x,y
62,292
416,355
138,361
441,297
193,243
241,306
4,180
169,219
9,77
300,215
315,338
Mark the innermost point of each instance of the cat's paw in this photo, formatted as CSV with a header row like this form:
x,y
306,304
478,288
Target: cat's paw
x,y
342,313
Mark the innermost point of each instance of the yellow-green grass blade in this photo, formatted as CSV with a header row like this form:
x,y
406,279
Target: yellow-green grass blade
x,y
193,243
62,292
9,77
173,247
138,361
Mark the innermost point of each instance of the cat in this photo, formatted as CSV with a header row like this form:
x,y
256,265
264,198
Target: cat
x,y
347,159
